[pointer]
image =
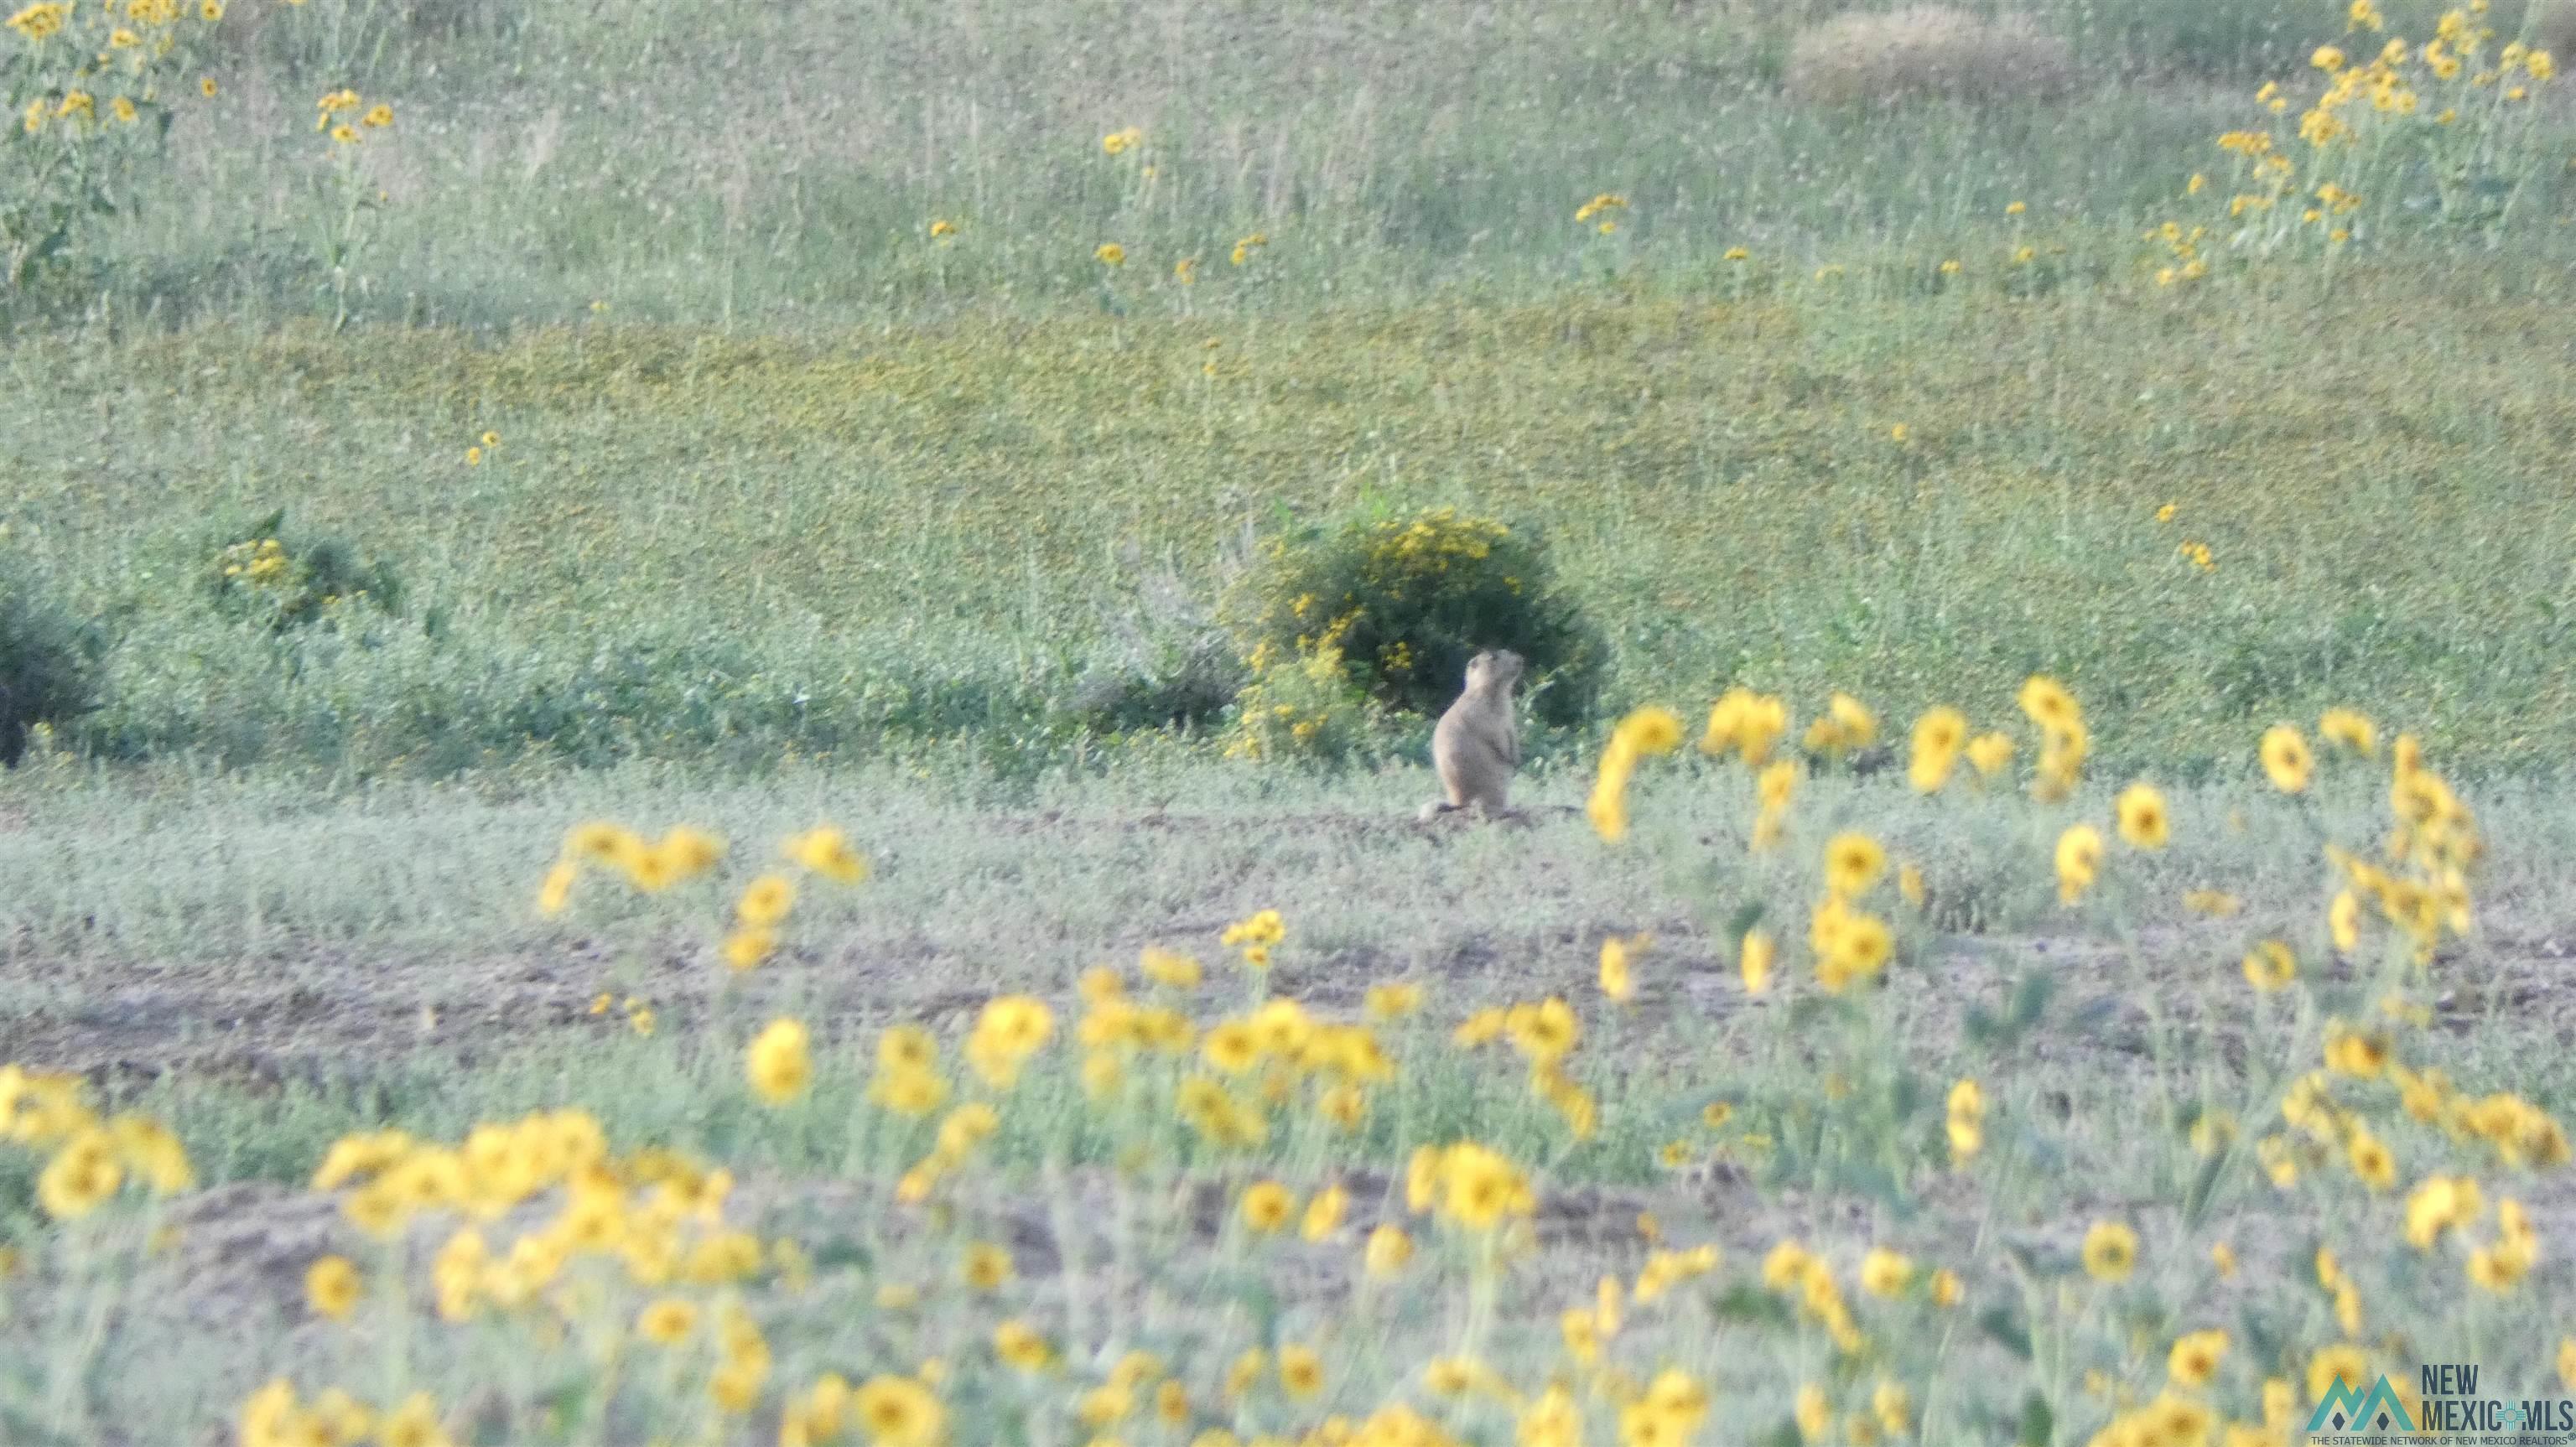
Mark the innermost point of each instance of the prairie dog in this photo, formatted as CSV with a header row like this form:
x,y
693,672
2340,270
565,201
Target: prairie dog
x,y
1477,745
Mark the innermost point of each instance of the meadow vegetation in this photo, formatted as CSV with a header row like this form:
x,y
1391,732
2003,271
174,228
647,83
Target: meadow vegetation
x,y
2022,1107
773,430
721,706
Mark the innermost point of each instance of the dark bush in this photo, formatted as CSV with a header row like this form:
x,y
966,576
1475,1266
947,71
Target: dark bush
x,y
262,577
48,665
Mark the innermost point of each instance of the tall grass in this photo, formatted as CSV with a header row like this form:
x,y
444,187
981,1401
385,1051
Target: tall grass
x,y
683,164
781,470
692,548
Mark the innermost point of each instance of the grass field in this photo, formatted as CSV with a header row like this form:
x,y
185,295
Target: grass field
x,y
922,543
744,429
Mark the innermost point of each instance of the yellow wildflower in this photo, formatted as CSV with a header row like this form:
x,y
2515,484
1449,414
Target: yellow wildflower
x,y
1388,1250
2110,1251
1754,961
2144,823
779,1063
1266,1206
332,1287
2079,861
1617,981
2286,759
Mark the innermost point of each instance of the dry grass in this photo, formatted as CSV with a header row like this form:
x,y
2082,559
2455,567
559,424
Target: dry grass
x,y
1926,50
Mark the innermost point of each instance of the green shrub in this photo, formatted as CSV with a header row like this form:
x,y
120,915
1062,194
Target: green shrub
x,y
1406,601
48,666
87,92
1304,706
1164,662
259,577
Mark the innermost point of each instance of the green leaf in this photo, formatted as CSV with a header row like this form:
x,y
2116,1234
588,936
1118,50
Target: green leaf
x,y
2146,1314
2263,1341
837,1252
2204,1188
1750,1304
1741,923
20,1427
2038,1424
1808,1011
2040,1259
2030,998
2040,1152
1998,1322
1870,1179
1905,1095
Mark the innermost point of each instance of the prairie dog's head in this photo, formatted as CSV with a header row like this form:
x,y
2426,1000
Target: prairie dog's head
x,y
1493,671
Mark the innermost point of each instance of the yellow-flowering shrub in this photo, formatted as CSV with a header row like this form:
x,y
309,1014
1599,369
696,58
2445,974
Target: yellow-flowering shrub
x,y
1301,704
263,578
1406,600
2377,114
89,88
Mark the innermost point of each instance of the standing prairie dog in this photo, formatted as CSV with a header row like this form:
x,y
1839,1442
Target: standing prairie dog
x,y
1478,743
